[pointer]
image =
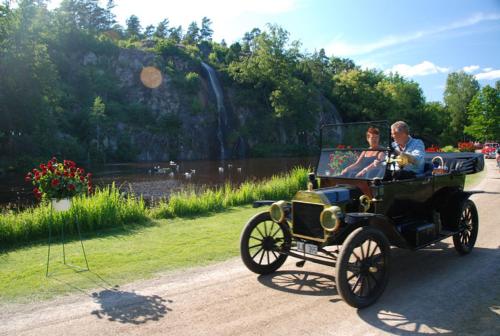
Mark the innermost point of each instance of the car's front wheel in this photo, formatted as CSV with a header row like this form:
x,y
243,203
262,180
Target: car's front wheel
x,y
262,242
362,268
468,225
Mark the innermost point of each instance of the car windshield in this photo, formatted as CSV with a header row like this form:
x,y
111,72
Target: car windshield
x,y
355,150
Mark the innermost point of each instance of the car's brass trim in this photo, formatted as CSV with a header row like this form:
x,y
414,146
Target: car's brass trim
x,y
311,238
365,202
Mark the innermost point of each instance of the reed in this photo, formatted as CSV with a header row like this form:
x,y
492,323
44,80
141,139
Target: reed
x,y
105,208
191,203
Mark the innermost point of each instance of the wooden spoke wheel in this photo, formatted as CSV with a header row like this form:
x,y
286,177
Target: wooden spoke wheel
x,y
468,225
362,267
262,242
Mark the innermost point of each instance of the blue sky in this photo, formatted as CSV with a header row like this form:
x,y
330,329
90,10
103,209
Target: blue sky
x,y
422,40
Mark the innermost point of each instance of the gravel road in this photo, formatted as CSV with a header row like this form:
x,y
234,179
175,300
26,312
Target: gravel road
x,y
430,291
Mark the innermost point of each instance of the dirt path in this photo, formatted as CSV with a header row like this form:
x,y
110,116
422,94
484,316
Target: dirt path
x,y
430,291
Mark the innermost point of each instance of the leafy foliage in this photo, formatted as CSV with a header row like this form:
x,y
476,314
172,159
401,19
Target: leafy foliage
x,y
484,114
60,92
460,89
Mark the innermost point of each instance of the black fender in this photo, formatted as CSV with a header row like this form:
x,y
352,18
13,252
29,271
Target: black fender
x,y
450,211
352,221
258,204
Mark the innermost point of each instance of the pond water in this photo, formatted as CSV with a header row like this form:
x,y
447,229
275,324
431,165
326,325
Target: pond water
x,y
155,180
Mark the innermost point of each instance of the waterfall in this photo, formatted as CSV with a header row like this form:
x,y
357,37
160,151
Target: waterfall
x,y
222,118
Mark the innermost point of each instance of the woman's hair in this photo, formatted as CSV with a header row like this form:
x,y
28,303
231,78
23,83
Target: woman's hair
x,y
373,130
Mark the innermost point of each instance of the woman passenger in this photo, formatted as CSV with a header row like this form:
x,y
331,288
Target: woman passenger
x,y
368,159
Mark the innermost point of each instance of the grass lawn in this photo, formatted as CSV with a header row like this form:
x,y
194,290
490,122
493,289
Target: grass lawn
x,y
120,256
472,180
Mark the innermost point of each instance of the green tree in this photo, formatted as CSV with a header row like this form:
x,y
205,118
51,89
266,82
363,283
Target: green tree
x,y
271,69
86,15
149,32
484,114
97,118
133,27
357,96
206,31
162,29
175,34
460,89
192,34
249,40
436,120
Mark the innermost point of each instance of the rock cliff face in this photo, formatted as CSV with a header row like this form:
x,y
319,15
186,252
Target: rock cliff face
x,y
189,121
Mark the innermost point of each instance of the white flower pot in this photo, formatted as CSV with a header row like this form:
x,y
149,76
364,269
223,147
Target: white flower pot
x,y
61,205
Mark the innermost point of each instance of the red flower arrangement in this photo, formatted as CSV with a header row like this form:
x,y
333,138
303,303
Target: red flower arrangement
x,y
55,180
466,146
433,149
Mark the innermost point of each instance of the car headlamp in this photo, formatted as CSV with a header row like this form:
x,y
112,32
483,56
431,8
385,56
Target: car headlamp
x,y
277,211
330,218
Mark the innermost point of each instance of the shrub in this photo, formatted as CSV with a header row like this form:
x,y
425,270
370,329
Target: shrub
x,y
106,208
449,149
466,146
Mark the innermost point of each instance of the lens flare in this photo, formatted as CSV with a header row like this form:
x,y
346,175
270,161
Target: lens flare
x,y
151,77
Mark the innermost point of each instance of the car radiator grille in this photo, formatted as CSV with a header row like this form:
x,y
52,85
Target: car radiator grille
x,y
306,220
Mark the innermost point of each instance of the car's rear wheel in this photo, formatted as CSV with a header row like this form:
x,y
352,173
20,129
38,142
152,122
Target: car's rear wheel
x,y
262,242
468,225
362,268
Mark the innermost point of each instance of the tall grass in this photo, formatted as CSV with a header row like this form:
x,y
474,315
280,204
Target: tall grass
x,y
188,202
105,208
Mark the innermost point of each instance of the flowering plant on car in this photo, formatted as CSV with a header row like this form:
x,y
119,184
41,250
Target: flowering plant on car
x,y
341,159
55,180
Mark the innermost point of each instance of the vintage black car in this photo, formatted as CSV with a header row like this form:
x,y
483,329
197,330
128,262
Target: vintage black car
x,y
366,214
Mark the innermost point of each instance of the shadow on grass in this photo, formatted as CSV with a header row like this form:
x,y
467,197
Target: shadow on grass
x,y
122,230
92,277
205,213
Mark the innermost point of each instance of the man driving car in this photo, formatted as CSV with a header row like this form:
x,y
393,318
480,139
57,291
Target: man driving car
x,y
410,152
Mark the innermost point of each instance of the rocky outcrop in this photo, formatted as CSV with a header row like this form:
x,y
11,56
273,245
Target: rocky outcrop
x,y
187,122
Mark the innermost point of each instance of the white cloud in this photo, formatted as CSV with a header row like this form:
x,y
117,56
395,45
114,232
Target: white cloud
x,y
487,69
341,48
470,68
422,69
488,75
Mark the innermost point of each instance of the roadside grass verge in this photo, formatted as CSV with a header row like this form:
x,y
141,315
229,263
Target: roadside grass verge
x,y
116,258
472,180
104,209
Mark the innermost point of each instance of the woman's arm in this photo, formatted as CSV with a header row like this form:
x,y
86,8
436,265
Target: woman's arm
x,y
355,164
375,163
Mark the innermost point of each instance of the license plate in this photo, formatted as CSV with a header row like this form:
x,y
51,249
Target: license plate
x,y
308,248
